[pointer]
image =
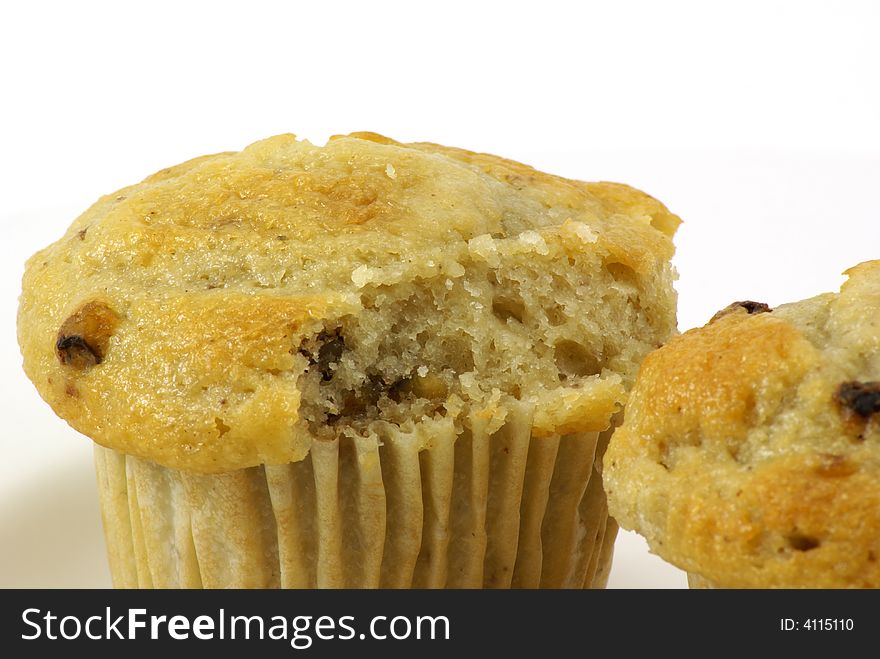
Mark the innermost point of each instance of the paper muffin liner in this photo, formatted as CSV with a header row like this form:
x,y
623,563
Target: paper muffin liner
x,y
431,507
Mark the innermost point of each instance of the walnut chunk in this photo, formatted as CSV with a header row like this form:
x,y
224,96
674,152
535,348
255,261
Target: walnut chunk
x,y
750,306
429,386
84,338
860,398
324,351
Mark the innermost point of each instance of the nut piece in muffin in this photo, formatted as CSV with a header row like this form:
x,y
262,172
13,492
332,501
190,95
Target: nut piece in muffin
x,y
368,363
750,452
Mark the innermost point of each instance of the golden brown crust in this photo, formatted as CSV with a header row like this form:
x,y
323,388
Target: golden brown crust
x,y
737,460
197,285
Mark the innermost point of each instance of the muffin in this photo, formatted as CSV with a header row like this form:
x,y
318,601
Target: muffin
x,y
367,364
750,453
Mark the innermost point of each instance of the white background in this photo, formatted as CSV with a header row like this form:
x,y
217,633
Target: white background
x,y
757,122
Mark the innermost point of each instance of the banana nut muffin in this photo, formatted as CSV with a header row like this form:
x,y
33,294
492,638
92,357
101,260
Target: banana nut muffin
x,y
362,364
750,452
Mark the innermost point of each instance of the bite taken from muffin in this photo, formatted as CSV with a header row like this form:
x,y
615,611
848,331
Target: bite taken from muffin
x,y
750,452
358,365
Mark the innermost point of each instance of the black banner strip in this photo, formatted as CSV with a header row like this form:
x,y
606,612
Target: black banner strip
x,y
420,624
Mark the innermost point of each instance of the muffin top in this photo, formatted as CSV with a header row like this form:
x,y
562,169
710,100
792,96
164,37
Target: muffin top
x,y
172,319
750,452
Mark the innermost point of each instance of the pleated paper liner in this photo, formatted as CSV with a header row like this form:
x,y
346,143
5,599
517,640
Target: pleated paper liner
x,y
432,507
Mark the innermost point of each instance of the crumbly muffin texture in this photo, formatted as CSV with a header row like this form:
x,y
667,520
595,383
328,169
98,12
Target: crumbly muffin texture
x,y
231,310
750,452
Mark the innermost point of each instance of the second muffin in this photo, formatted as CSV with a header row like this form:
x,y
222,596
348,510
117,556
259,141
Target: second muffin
x,y
750,454
364,364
